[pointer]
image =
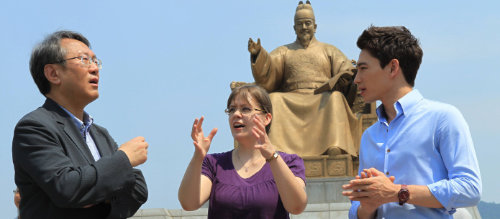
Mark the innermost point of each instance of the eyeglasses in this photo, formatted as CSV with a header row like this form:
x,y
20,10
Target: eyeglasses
x,y
243,110
86,61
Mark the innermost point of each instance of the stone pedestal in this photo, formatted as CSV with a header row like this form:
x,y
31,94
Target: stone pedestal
x,y
326,190
325,166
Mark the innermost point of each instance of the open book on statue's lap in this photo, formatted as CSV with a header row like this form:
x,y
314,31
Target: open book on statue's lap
x,y
332,84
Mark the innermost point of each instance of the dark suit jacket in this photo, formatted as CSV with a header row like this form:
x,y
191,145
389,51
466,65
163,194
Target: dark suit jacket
x,y
57,175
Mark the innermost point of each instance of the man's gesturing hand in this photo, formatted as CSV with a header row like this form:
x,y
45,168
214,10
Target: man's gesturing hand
x,y
136,150
372,187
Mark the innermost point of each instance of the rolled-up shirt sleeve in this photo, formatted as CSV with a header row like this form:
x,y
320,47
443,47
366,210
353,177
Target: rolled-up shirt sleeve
x,y
463,187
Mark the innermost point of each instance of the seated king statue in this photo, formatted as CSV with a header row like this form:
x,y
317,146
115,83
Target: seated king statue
x,y
311,90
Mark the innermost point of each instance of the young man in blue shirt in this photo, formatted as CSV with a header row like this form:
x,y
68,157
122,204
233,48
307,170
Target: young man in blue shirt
x,y
418,160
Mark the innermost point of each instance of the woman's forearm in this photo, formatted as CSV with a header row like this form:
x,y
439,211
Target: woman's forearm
x,y
291,188
193,190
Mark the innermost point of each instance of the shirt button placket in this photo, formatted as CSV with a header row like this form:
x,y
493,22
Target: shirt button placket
x,y
386,155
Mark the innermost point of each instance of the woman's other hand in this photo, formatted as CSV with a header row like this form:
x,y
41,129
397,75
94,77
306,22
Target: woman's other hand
x,y
201,143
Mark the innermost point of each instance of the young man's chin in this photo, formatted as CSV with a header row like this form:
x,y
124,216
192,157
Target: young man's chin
x,y
369,100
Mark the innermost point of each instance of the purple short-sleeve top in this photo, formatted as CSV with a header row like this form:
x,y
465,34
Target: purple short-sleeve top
x,y
255,197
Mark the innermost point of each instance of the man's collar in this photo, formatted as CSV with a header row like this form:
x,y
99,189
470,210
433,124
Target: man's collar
x,y
409,100
87,119
402,106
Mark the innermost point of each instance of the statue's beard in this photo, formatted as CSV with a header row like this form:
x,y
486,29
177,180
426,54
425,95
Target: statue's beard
x,y
305,38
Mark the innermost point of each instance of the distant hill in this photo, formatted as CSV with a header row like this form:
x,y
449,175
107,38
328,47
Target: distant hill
x,y
489,210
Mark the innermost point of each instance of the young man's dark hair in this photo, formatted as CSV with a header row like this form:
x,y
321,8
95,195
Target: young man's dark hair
x,y
387,43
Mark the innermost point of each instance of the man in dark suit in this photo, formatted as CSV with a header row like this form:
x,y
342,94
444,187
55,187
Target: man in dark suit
x,y
65,165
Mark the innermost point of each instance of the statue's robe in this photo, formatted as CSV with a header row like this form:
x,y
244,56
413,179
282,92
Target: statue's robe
x,y
303,122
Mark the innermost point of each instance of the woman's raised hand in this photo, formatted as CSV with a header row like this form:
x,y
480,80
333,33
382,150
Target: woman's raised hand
x,y
263,143
201,143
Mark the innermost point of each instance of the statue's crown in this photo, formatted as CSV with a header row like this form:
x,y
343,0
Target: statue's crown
x,y
302,6
307,5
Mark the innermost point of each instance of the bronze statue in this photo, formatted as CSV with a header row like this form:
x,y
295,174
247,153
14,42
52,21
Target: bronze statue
x,y
308,82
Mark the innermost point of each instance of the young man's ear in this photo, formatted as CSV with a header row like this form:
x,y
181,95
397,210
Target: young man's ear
x,y
395,68
51,73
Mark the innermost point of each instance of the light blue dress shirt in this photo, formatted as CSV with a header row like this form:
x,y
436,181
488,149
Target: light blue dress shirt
x,y
427,143
84,128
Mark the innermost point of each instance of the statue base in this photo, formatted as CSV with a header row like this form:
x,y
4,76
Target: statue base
x,y
325,166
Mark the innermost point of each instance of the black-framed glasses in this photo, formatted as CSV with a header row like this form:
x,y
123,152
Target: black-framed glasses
x,y
243,110
85,60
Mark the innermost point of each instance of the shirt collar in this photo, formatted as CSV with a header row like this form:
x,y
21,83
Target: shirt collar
x,y
83,126
404,104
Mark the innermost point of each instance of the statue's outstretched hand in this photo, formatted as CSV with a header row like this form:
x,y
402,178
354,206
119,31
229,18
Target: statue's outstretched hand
x,y
201,143
254,48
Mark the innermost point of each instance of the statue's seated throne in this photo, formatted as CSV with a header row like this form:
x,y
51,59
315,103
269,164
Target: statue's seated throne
x,y
335,164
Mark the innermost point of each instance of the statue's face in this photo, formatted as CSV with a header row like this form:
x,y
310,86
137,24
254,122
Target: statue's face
x,y
304,28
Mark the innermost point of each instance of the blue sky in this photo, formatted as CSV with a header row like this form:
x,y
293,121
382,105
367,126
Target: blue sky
x,y
167,62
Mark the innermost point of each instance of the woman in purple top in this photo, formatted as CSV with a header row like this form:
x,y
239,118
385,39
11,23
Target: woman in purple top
x,y
251,181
